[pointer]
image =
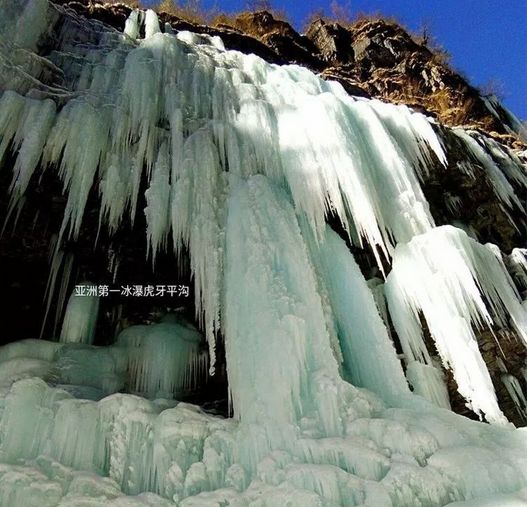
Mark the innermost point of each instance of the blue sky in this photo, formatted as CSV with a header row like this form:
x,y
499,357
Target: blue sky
x,y
487,38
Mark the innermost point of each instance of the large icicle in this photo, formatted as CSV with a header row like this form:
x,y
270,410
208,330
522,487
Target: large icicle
x,y
362,334
502,187
445,275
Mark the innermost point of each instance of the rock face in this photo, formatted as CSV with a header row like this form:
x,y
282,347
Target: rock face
x,y
333,42
370,59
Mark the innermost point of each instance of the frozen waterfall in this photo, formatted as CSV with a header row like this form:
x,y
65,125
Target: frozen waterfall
x,y
269,177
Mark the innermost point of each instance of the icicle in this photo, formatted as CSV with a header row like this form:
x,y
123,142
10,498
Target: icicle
x,y
113,263
32,134
501,185
198,195
428,381
32,23
81,314
165,359
515,391
512,123
56,257
131,25
158,203
362,334
407,127
19,208
151,24
63,290
517,260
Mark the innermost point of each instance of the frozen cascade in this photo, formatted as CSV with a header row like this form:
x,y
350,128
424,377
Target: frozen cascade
x,y
238,172
288,323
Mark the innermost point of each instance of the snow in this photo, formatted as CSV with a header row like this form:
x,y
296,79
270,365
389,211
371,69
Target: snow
x,y
239,174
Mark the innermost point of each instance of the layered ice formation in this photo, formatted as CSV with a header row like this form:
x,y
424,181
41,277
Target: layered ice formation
x,y
245,163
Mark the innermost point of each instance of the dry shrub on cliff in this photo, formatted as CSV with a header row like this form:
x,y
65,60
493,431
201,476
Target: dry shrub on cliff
x,y
195,12
223,18
265,5
342,13
189,10
362,18
440,100
134,4
494,86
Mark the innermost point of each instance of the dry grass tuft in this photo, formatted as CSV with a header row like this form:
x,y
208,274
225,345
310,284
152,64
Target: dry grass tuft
x,y
189,10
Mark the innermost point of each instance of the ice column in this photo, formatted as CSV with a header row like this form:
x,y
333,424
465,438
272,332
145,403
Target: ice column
x,y
275,334
80,319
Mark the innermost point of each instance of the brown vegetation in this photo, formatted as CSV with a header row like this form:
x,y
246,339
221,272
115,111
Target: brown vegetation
x,y
195,12
134,4
189,10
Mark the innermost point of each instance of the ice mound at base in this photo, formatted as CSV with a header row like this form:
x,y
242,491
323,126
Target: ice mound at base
x,y
59,447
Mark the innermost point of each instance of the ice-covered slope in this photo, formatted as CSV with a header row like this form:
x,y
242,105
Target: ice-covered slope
x,y
244,163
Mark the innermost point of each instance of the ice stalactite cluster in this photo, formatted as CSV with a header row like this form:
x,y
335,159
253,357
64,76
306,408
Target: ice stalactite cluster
x,y
243,163
517,261
162,360
445,275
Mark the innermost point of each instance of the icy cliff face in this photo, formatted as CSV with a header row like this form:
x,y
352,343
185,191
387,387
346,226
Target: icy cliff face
x,y
245,163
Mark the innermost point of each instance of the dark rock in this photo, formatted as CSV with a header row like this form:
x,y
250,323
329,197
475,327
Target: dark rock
x,y
279,36
332,41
